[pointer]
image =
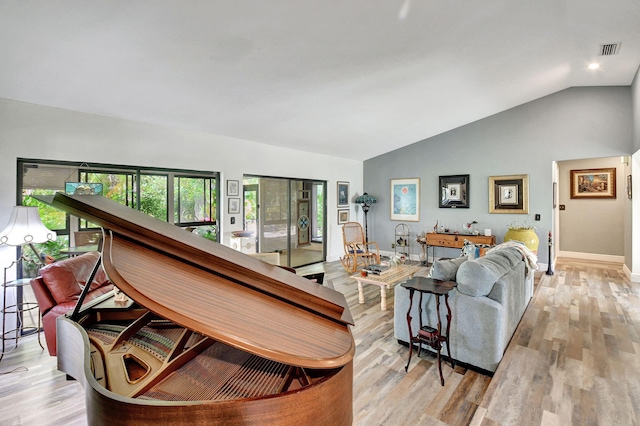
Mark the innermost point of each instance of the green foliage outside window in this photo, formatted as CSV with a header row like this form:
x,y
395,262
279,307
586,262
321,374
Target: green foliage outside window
x,y
116,186
195,203
53,219
153,196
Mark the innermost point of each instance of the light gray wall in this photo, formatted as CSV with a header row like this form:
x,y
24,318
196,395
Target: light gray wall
x,y
585,122
592,225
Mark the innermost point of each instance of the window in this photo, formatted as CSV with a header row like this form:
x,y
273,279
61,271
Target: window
x,y
193,200
189,198
154,199
195,205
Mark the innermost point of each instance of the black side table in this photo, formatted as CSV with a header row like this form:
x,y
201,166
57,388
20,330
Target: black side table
x,y
429,335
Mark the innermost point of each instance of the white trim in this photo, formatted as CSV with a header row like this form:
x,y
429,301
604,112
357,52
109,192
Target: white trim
x,y
634,278
592,256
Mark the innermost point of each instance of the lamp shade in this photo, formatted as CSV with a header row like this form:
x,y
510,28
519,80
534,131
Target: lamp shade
x,y
366,199
25,227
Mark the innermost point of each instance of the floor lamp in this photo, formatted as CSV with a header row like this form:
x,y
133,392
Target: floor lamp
x,y
365,200
24,228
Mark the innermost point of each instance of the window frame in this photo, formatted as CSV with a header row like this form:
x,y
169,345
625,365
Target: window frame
x,y
133,193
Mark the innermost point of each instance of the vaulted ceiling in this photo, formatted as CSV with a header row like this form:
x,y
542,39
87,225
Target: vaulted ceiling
x,y
352,79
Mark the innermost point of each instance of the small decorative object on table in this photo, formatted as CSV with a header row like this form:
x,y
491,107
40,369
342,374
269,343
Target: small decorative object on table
x,y
468,228
377,269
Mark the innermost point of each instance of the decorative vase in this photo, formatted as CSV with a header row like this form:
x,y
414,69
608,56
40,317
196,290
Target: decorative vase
x,y
423,256
527,236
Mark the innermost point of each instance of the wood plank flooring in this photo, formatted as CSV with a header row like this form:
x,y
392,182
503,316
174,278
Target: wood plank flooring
x,y
574,357
573,360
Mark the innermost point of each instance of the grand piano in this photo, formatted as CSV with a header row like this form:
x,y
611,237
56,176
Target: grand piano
x,y
208,335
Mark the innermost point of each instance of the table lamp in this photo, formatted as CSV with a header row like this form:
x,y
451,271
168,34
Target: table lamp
x,y
365,200
25,227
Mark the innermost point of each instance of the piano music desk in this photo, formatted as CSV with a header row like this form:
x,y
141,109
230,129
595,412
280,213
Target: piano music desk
x,y
397,275
113,305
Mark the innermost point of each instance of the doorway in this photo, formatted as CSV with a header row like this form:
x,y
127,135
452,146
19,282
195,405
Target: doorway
x,y
286,216
590,227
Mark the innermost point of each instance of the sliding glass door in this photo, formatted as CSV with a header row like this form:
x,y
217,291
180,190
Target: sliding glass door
x,y
286,217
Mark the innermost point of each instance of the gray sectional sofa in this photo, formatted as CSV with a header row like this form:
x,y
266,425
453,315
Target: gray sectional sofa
x,y
492,294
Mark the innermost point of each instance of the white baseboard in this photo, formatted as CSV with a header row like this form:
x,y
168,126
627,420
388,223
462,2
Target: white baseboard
x,y
634,278
591,256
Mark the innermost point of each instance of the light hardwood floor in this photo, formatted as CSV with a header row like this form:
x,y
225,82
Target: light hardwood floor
x,y
573,360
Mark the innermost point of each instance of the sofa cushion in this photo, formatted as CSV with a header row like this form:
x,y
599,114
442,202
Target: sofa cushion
x,y
99,280
61,282
65,278
446,269
476,277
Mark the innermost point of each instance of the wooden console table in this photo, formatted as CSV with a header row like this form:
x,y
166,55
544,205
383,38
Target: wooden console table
x,y
434,239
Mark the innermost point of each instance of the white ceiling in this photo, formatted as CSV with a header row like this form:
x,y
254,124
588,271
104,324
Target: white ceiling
x,y
352,79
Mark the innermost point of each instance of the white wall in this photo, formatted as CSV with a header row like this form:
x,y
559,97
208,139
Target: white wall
x,y
632,261
39,132
632,229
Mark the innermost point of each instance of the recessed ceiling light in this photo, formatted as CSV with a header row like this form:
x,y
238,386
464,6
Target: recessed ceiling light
x,y
594,66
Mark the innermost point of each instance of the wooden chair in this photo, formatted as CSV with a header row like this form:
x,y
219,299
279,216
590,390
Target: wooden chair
x,y
357,251
86,238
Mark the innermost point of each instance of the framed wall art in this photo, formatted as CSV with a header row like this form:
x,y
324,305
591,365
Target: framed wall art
x,y
454,191
343,216
82,188
593,183
233,188
343,194
509,194
405,199
234,206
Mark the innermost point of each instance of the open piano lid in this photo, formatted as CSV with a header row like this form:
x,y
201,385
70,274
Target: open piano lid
x,y
215,290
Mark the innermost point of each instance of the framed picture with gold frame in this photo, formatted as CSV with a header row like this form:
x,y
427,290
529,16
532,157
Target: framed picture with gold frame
x,y
509,194
343,216
593,183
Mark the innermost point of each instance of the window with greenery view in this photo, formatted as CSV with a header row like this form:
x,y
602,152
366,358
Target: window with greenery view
x,y
187,199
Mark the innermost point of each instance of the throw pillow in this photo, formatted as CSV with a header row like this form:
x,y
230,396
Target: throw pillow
x,y
66,278
469,250
61,282
447,269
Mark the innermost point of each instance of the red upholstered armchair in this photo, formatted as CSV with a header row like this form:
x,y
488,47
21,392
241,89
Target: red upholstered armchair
x,y
58,287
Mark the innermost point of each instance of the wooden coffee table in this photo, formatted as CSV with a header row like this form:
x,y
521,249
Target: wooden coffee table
x,y
397,275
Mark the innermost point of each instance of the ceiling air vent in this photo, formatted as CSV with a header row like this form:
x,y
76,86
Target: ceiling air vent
x,y
609,49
